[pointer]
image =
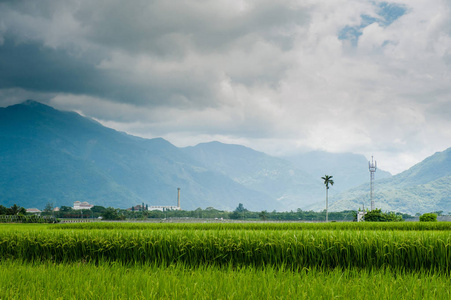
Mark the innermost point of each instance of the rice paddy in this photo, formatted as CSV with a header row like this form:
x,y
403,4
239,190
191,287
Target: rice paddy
x,y
225,261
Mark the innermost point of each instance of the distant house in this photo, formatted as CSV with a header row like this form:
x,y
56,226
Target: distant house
x,y
56,209
154,207
33,211
82,205
137,208
164,207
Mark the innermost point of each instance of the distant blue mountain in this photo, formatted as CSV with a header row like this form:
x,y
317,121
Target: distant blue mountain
x,y
48,155
275,177
348,170
426,187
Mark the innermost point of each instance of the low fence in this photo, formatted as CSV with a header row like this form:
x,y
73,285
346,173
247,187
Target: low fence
x,y
75,220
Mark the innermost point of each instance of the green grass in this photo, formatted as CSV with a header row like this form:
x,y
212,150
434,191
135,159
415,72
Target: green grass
x,y
410,250
23,280
225,261
404,226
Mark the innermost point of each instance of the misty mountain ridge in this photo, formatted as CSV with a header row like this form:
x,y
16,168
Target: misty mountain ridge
x,y
61,157
348,169
425,187
49,155
258,171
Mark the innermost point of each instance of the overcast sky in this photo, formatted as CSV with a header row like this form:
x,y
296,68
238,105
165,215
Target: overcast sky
x,y
370,77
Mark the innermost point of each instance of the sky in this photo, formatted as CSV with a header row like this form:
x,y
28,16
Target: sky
x,y
282,77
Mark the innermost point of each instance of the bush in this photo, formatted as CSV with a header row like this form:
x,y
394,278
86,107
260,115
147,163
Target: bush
x,y
377,215
111,213
428,217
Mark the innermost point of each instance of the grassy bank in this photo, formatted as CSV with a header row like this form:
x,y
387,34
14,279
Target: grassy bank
x,y
417,226
404,249
225,261
24,280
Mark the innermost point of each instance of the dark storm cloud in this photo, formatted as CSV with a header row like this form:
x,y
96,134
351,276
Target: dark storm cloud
x,y
32,66
346,75
142,52
57,46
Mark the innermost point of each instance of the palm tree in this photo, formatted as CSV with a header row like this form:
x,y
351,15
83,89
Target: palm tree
x,y
327,180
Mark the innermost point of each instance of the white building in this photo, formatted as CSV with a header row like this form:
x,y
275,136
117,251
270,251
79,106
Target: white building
x,y
361,216
33,211
164,207
82,205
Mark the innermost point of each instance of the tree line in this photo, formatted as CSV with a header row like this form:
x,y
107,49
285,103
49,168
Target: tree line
x,y
14,210
240,213
17,214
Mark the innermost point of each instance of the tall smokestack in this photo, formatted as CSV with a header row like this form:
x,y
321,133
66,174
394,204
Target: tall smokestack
x,y
178,198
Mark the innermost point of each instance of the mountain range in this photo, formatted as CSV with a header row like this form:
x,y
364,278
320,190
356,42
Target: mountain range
x,y
426,187
47,155
59,157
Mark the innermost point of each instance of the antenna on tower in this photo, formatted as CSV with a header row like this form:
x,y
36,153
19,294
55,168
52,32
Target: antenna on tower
x,y
372,166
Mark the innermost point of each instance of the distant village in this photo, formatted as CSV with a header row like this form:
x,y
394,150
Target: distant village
x,y
78,205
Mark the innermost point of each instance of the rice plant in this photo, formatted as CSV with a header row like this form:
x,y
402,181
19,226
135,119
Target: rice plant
x,y
294,249
406,226
24,280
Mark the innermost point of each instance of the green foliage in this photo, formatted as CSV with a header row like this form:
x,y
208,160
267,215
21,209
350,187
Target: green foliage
x,y
239,212
292,249
14,210
17,214
263,215
117,281
111,213
211,213
27,219
377,215
339,226
98,209
428,217
48,209
327,180
240,208
119,260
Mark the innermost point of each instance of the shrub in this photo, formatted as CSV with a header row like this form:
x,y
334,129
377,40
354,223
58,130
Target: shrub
x,y
111,214
377,215
428,217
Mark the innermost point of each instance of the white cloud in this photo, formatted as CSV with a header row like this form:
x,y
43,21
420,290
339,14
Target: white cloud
x,y
342,75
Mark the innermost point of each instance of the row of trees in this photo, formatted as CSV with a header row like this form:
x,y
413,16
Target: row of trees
x,y
240,213
17,214
299,215
12,211
95,212
377,215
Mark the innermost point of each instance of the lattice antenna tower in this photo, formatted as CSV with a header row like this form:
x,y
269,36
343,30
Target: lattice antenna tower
x,y
372,166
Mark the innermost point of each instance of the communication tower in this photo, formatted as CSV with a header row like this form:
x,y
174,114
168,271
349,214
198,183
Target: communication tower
x,y
372,165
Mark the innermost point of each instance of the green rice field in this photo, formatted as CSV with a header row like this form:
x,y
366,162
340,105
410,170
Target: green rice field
x,y
106,260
